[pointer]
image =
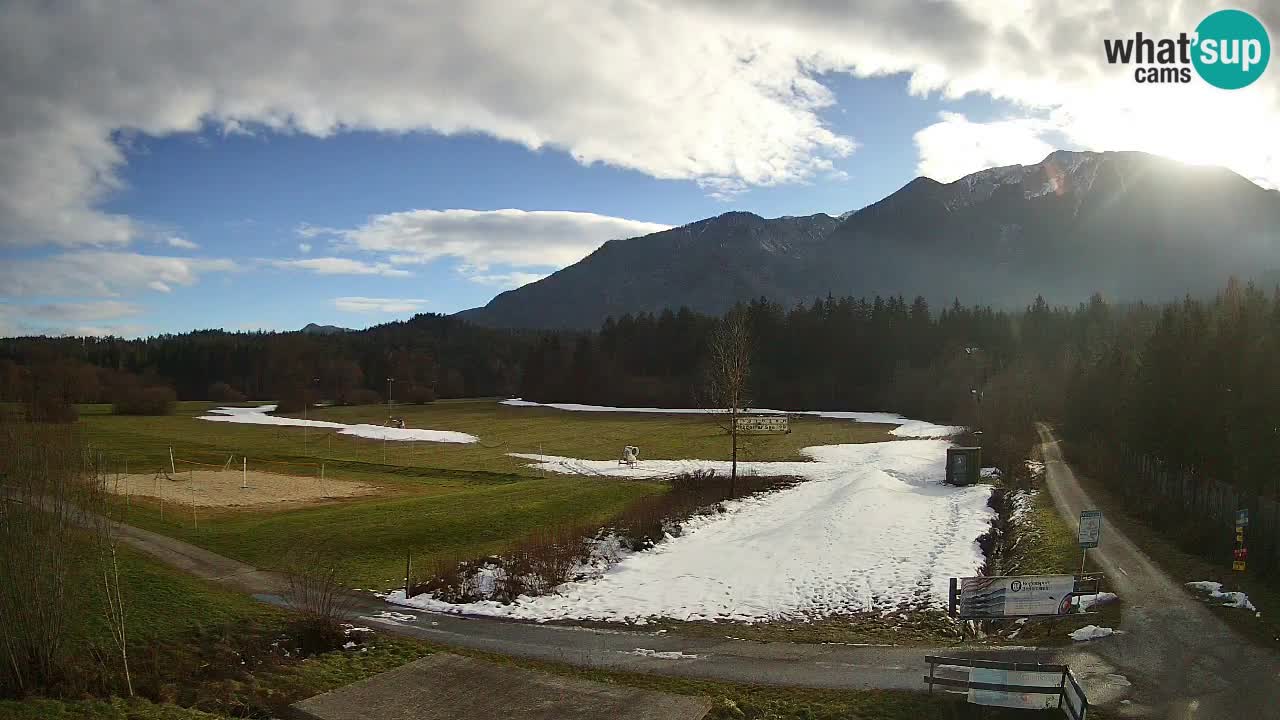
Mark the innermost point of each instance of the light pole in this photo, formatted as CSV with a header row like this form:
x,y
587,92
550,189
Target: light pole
x,y
306,425
384,435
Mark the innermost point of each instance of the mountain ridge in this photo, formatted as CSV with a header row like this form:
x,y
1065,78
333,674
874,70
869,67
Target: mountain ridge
x,y
1131,225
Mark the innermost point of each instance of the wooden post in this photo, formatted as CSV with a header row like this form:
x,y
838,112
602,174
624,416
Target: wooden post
x,y
408,567
173,469
244,472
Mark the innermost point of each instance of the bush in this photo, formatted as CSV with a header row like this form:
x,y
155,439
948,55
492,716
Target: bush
x,y
136,400
52,409
222,392
363,396
418,395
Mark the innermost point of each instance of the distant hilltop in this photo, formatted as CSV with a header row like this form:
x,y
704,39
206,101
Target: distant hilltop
x,y
1129,225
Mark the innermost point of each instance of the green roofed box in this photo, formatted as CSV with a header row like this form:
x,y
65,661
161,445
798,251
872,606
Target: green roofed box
x,y
963,465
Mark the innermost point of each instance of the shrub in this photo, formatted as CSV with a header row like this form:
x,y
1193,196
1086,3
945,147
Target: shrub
x,y
137,400
418,395
52,409
363,396
222,392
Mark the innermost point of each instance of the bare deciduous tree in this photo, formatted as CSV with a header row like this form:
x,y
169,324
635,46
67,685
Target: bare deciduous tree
x,y
729,376
317,594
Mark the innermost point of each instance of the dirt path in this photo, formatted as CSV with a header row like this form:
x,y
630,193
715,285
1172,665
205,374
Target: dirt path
x,y
1183,662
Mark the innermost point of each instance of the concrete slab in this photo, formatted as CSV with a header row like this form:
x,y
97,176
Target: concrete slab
x,y
445,687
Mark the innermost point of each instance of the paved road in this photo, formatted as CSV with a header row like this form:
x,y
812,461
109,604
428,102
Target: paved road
x,y
1183,662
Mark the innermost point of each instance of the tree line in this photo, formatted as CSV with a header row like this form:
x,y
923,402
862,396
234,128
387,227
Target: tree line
x,y
1193,382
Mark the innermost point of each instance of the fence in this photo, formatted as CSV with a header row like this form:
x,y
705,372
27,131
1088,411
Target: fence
x,y
1198,511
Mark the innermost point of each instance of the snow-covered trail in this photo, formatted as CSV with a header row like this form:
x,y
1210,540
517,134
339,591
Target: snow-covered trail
x,y
873,527
258,416
907,428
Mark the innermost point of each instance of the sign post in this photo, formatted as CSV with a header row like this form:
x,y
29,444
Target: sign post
x,y
1241,553
1090,534
763,424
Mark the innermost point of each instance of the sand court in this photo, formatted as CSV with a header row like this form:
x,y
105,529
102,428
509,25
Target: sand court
x,y
232,488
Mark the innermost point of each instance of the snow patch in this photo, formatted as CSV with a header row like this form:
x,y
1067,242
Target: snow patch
x,y
1091,632
874,528
1214,589
670,655
258,416
906,427
1102,599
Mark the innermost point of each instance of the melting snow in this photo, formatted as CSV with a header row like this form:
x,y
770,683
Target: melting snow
x,y
906,427
1233,599
258,416
1091,632
874,527
673,655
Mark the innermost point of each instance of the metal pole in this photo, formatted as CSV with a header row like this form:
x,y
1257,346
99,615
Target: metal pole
x,y
1084,554
244,473
408,555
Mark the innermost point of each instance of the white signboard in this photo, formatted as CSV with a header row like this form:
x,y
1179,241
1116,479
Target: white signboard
x,y
1090,528
763,424
1027,701
1015,596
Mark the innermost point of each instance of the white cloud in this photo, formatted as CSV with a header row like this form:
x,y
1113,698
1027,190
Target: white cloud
x,y
955,147
304,248
481,238
339,266
102,273
69,318
725,93
181,243
582,77
507,280
378,305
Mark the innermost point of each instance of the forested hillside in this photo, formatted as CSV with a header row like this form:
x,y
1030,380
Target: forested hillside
x,y
1194,383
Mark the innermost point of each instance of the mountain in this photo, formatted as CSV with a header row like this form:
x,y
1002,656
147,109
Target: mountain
x,y
314,329
1130,225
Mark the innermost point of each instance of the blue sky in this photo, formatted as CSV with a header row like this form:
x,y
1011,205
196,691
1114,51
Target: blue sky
x,y
170,166
244,196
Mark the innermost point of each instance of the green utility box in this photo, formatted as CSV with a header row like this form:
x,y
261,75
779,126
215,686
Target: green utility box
x,y
963,465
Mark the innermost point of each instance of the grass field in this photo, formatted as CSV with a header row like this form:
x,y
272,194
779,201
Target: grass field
x,y
436,500
501,429
189,638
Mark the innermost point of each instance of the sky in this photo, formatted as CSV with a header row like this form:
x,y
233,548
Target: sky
x,y
166,166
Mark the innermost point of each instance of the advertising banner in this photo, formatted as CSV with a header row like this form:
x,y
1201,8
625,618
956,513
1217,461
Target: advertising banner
x,y
1015,596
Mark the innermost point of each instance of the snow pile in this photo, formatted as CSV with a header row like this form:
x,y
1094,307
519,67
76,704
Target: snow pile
x,y
1102,599
906,427
1091,632
258,416
990,472
873,528
1214,589
672,655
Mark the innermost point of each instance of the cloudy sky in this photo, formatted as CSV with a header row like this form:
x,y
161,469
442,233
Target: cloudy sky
x,y
175,165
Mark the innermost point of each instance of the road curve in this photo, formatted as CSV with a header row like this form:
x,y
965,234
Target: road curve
x,y
1184,663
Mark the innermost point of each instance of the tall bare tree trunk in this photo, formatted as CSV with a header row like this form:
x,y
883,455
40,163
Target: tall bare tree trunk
x,y
728,375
